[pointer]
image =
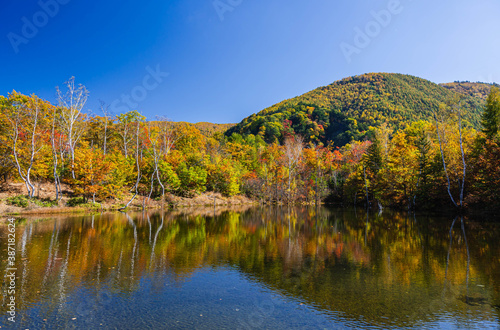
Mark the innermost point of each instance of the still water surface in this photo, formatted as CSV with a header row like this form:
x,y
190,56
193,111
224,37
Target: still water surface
x,y
256,268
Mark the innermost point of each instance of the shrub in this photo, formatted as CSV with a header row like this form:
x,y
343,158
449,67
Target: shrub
x,y
44,202
21,201
75,201
193,179
24,201
80,201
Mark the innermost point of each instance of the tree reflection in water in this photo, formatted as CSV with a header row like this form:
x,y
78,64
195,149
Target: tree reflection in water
x,y
381,269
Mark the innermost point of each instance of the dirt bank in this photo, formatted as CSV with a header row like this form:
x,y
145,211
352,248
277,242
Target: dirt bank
x,y
46,191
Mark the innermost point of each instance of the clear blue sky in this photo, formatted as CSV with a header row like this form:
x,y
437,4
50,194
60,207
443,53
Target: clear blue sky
x,y
224,64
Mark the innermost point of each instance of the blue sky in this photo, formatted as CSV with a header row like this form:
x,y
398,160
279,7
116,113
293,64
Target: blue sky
x,y
223,60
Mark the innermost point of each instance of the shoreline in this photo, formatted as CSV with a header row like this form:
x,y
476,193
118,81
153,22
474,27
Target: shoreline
x,y
36,205
173,202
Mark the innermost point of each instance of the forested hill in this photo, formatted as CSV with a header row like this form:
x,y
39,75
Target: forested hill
x,y
345,109
208,129
477,89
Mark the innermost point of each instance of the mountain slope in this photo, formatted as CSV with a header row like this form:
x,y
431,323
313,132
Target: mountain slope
x,y
208,129
345,109
478,89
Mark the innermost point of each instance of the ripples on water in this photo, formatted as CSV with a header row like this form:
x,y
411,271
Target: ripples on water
x,y
255,268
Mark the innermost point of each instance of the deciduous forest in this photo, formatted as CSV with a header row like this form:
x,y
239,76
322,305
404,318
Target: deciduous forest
x,y
379,140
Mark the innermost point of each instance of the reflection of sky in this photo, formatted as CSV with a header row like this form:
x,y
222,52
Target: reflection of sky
x,y
215,266
211,298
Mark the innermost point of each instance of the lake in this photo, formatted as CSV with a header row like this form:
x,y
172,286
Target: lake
x,y
253,268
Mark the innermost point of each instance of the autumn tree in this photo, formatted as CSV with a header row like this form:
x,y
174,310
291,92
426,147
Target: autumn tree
x,y
92,173
72,117
126,123
138,156
26,116
486,159
106,122
317,165
271,172
399,176
453,108
7,165
100,129
161,139
419,135
53,144
374,155
162,136
293,151
486,175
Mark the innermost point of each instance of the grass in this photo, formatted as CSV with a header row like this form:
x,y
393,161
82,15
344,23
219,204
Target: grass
x,y
75,201
19,201
58,210
44,202
25,201
80,201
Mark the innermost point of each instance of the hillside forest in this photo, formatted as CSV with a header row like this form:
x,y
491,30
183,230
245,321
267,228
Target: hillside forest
x,y
382,140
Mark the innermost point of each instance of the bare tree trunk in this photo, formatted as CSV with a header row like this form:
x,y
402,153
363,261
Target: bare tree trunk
x,y
92,183
54,157
33,150
16,121
168,134
460,182
468,259
154,241
71,104
463,156
105,111
444,162
72,155
156,155
132,261
125,144
449,249
152,184
161,184
139,174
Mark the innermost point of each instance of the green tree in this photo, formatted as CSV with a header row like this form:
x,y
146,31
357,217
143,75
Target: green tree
x,y
491,114
374,155
125,121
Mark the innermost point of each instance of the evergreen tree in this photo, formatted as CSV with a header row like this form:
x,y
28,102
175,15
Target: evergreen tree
x,y
374,155
491,114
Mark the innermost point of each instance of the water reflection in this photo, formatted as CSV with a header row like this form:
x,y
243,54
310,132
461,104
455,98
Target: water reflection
x,y
355,269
